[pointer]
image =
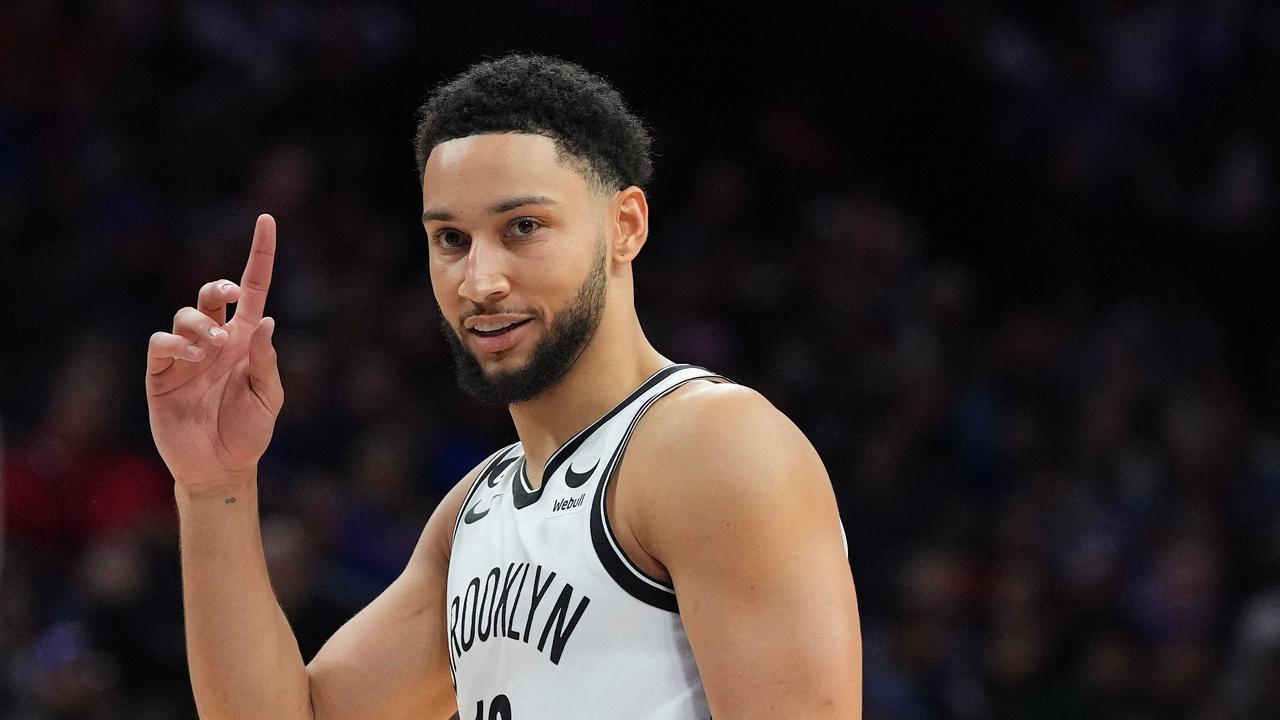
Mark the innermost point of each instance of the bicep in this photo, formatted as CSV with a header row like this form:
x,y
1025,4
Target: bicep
x,y
774,630
755,550
391,659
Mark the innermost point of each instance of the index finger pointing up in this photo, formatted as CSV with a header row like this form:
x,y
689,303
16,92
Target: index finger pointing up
x,y
257,272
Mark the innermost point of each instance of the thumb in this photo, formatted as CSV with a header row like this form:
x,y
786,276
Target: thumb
x,y
264,373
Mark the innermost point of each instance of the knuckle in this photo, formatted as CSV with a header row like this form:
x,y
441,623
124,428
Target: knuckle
x,y
210,290
188,316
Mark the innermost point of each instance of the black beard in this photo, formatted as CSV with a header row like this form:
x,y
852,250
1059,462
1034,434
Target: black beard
x,y
550,360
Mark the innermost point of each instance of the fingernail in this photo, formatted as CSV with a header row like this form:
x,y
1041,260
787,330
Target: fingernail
x,y
194,351
217,332
225,288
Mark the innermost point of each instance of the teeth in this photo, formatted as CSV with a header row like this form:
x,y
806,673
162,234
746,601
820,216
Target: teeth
x,y
490,327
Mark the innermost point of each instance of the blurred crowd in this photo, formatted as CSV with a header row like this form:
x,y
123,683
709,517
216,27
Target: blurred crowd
x,y
1012,268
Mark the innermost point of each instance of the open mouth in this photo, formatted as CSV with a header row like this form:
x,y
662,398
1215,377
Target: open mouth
x,y
497,328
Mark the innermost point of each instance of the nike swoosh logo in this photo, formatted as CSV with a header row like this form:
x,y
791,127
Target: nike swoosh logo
x,y
574,479
492,477
471,514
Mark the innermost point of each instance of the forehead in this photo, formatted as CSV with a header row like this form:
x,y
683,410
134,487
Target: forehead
x,y
476,170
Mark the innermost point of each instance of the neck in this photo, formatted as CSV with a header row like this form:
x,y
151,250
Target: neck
x,y
616,361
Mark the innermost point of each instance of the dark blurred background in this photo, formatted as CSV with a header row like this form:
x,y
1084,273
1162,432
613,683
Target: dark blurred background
x,y
1011,266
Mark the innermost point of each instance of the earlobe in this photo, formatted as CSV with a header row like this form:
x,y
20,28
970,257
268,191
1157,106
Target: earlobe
x,y
632,221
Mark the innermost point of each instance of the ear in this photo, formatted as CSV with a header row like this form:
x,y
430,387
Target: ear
x,y
631,224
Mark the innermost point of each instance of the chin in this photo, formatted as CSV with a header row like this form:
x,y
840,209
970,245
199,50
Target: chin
x,y
497,367
511,361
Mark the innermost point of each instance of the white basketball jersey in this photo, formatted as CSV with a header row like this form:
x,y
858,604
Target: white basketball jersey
x,y
547,618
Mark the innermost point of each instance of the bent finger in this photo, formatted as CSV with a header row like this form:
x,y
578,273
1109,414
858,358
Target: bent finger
x,y
196,326
214,298
257,272
166,348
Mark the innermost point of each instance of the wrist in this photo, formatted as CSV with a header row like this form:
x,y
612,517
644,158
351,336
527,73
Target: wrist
x,y
230,487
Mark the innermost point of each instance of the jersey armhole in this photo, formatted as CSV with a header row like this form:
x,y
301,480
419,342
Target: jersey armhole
x,y
630,577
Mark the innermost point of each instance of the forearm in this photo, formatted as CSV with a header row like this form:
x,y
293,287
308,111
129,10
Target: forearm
x,y
242,654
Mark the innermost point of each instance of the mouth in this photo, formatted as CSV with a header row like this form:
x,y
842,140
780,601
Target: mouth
x,y
496,329
495,336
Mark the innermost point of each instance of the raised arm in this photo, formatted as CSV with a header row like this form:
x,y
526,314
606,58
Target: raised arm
x,y
213,394
737,507
388,662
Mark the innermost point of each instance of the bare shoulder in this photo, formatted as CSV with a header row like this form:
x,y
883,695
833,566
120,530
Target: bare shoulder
x,y
722,452
722,433
731,500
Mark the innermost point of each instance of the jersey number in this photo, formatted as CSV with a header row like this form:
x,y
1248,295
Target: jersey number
x,y
499,709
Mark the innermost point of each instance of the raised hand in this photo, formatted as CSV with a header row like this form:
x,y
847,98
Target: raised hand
x,y
213,386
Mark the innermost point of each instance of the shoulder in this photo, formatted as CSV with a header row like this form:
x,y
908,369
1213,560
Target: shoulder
x,y
737,508
704,430
721,452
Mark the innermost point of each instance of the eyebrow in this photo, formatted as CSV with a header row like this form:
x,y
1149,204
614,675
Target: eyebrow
x,y
498,209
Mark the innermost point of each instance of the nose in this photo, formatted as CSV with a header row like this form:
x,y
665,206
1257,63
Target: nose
x,y
484,278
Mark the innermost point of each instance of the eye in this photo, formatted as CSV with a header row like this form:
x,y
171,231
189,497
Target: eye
x,y
451,239
523,227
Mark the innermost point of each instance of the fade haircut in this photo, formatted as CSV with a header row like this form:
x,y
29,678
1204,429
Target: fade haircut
x,y
580,112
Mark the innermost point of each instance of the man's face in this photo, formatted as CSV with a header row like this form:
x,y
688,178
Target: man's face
x,y
518,261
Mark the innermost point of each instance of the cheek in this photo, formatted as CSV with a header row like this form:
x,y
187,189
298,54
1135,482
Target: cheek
x,y
553,288
444,283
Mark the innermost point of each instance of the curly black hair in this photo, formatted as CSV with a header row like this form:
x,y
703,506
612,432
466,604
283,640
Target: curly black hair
x,y
520,93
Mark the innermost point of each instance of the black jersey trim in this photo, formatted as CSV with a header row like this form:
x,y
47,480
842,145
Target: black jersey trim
x,y
630,577
481,477
522,494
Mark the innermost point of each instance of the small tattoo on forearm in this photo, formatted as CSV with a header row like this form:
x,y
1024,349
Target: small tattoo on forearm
x,y
229,501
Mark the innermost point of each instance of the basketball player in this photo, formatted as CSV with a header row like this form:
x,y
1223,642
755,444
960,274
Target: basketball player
x,y
660,543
